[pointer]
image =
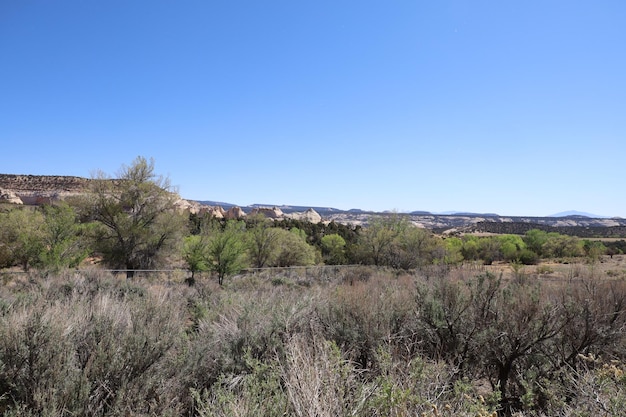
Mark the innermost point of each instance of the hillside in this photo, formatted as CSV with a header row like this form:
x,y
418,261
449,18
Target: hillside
x,y
41,189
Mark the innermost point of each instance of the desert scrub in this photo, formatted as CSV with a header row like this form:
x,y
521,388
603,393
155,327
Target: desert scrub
x,y
250,322
257,392
92,344
320,381
545,269
359,317
96,355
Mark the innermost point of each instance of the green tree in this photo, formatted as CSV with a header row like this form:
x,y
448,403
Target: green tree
x,y
195,255
535,239
376,240
226,250
293,249
558,246
454,247
594,249
489,249
416,247
63,240
471,248
140,224
21,237
261,242
511,247
333,249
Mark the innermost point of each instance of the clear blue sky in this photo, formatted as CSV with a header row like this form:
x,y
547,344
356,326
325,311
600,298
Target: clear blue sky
x,y
513,107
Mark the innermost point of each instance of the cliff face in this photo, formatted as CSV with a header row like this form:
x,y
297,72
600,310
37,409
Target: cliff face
x,y
41,189
36,190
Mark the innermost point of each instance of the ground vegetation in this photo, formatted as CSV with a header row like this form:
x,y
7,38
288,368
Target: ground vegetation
x,y
463,343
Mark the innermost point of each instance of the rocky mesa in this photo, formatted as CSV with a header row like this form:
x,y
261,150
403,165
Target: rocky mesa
x,y
40,189
45,189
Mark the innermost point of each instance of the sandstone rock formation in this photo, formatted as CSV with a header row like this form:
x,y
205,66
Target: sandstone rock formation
x,y
189,206
41,189
235,213
310,215
215,211
7,196
271,213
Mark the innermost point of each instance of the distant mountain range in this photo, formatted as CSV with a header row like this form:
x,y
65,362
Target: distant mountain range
x,y
41,189
574,213
330,211
324,211
453,221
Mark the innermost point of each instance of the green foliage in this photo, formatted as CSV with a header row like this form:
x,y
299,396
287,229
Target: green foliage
x,y
139,222
527,257
293,249
511,247
195,255
393,241
453,250
259,392
560,246
261,242
375,241
226,250
21,237
471,248
535,239
49,238
64,238
593,249
333,249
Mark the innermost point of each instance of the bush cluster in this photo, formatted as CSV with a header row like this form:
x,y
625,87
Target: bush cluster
x,y
87,343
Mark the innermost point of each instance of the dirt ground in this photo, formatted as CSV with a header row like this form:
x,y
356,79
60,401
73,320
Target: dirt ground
x,y
605,268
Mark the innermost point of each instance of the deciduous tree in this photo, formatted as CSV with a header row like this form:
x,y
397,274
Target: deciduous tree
x,y
333,249
293,250
63,238
21,237
226,250
261,242
140,223
195,255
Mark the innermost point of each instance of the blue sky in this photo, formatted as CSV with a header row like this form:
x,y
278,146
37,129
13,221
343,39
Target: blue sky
x,y
512,107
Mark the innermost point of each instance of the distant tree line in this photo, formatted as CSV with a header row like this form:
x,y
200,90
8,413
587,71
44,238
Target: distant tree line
x,y
520,228
132,223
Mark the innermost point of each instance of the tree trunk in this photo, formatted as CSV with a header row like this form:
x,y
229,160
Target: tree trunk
x,y
504,371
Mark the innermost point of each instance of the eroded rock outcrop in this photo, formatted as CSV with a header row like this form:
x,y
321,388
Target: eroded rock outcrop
x,y
235,213
7,196
310,215
41,189
272,213
216,211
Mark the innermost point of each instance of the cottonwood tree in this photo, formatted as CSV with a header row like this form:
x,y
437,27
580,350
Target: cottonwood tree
x,y
21,237
139,222
375,241
195,255
226,250
334,249
261,242
63,238
293,249
49,237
